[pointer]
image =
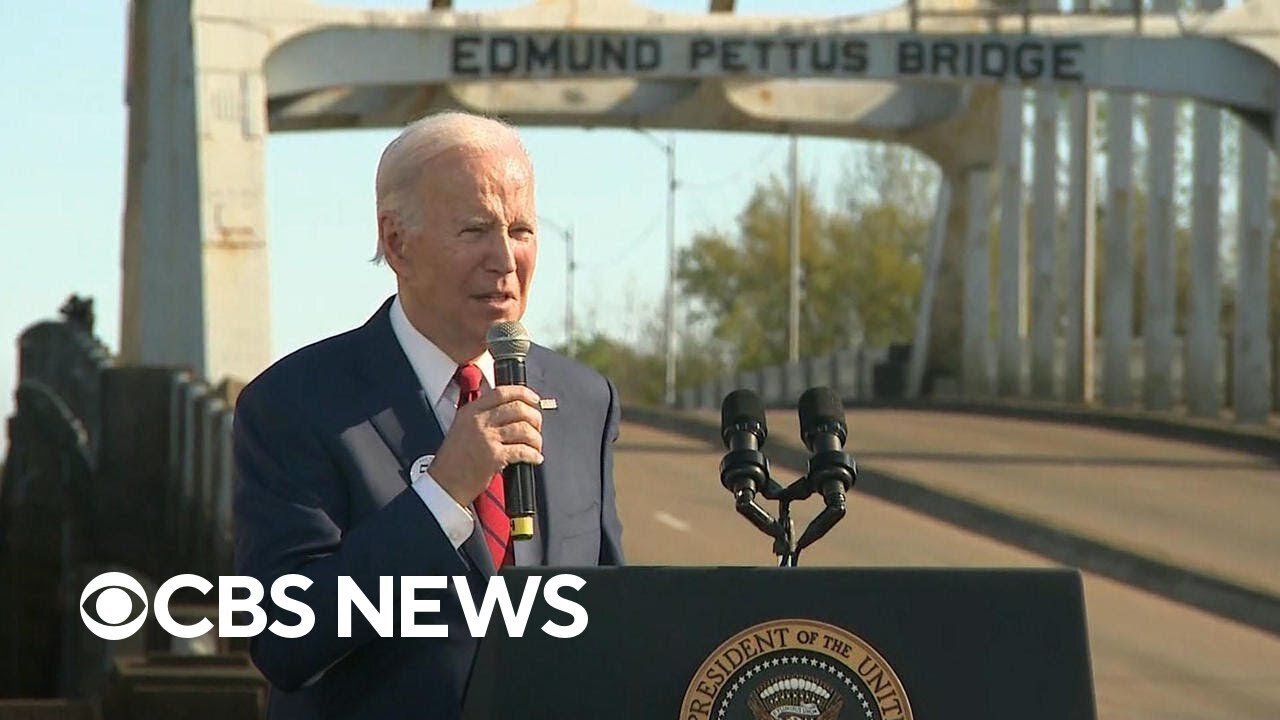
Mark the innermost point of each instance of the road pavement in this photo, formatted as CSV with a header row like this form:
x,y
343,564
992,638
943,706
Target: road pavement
x,y
1211,509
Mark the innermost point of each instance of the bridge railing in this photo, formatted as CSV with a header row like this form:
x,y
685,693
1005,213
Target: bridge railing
x,y
108,467
878,374
919,10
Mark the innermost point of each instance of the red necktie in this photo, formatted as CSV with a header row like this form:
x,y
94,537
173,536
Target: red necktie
x,y
491,508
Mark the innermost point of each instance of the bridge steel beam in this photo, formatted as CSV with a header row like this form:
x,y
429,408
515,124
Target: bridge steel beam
x,y
1044,246
1081,237
209,78
924,312
1203,337
1159,304
1251,381
1012,311
1044,235
1081,247
401,61
1117,288
976,362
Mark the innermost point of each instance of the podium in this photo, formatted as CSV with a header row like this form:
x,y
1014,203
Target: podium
x,y
667,643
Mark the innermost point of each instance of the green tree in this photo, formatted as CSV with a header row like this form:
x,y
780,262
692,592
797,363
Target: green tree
x,y
738,284
637,374
860,270
878,267
880,174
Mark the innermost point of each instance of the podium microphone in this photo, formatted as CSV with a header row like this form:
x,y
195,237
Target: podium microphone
x,y
822,427
744,471
508,343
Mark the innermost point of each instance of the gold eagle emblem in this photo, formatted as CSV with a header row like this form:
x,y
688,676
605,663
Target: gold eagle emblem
x,y
795,697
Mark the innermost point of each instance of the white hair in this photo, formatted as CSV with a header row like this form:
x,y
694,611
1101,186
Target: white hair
x,y
400,170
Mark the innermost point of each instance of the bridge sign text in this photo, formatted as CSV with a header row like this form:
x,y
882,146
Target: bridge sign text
x,y
881,56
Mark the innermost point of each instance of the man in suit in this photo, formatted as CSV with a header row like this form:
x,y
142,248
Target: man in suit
x,y
374,453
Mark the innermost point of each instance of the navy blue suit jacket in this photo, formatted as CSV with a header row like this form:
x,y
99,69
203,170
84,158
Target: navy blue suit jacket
x,y
324,441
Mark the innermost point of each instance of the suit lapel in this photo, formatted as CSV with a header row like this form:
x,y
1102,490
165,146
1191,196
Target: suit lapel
x,y
477,551
404,417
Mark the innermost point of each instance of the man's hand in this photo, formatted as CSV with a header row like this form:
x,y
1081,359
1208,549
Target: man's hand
x,y
501,427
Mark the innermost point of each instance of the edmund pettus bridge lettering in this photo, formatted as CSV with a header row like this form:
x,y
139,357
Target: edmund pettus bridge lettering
x,y
568,54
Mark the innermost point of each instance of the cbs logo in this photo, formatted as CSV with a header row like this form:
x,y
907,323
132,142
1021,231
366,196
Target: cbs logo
x,y
113,606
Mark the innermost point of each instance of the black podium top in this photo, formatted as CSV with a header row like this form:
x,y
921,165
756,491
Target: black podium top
x,y
901,643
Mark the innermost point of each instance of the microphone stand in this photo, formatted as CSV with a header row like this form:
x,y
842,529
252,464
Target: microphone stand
x,y
782,529
744,471
784,545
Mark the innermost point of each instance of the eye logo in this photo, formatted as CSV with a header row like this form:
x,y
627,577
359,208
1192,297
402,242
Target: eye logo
x,y
113,606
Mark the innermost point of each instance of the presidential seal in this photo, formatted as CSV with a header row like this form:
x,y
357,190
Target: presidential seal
x,y
795,670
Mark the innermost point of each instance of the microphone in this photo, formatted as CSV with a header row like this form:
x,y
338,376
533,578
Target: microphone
x,y
508,343
744,469
832,471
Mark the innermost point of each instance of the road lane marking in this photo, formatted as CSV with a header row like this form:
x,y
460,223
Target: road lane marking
x,y
671,521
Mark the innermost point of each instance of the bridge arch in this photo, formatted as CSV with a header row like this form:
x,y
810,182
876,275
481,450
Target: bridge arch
x,y
195,290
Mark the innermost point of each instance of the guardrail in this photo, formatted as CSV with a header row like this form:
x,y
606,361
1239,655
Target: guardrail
x,y
876,374
109,467
1025,9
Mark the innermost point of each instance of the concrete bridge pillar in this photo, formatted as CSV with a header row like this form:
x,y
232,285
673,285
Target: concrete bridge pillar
x,y
945,335
195,259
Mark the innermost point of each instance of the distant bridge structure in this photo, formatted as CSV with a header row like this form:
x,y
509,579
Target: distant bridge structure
x,y
209,79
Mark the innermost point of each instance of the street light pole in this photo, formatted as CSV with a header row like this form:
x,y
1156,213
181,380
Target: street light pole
x,y
570,266
669,149
670,386
570,337
793,254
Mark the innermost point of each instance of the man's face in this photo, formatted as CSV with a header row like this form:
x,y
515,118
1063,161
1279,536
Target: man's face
x,y
468,262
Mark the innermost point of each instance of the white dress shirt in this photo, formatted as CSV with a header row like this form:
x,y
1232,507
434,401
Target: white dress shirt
x,y
435,372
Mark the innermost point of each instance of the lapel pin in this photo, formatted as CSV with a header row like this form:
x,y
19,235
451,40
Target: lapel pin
x,y
548,404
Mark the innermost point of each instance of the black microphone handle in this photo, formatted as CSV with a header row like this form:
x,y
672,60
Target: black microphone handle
x,y
517,485
517,478
509,371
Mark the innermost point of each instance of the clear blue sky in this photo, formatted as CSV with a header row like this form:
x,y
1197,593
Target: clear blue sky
x,y
62,140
